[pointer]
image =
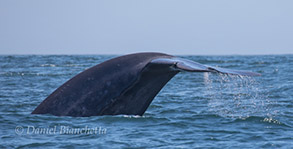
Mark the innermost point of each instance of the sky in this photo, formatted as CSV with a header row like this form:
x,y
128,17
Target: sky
x,y
196,27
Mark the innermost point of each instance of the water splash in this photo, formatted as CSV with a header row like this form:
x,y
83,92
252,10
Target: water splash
x,y
236,96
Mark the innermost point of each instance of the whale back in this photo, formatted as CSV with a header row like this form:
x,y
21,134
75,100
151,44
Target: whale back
x,y
137,98
89,92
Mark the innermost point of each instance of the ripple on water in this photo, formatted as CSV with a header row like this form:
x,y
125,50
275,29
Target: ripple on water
x,y
192,110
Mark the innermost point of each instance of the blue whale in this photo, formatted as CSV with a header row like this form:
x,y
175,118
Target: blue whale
x,y
124,85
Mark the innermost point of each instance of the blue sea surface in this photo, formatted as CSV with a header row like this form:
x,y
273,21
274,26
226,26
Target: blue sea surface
x,y
194,110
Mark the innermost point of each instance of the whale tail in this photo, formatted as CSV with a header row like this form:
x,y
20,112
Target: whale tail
x,y
181,64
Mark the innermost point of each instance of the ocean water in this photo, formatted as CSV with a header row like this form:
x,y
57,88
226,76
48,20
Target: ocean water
x,y
193,110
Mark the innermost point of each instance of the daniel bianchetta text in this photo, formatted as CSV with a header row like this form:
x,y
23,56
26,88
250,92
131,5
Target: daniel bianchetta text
x,y
66,130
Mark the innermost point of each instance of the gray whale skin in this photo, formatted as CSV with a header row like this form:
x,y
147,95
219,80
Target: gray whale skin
x,y
124,85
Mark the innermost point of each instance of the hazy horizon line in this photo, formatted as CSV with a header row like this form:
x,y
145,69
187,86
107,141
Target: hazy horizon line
x,y
117,54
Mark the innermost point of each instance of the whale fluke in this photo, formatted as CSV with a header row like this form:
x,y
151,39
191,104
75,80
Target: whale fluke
x,y
122,85
191,66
